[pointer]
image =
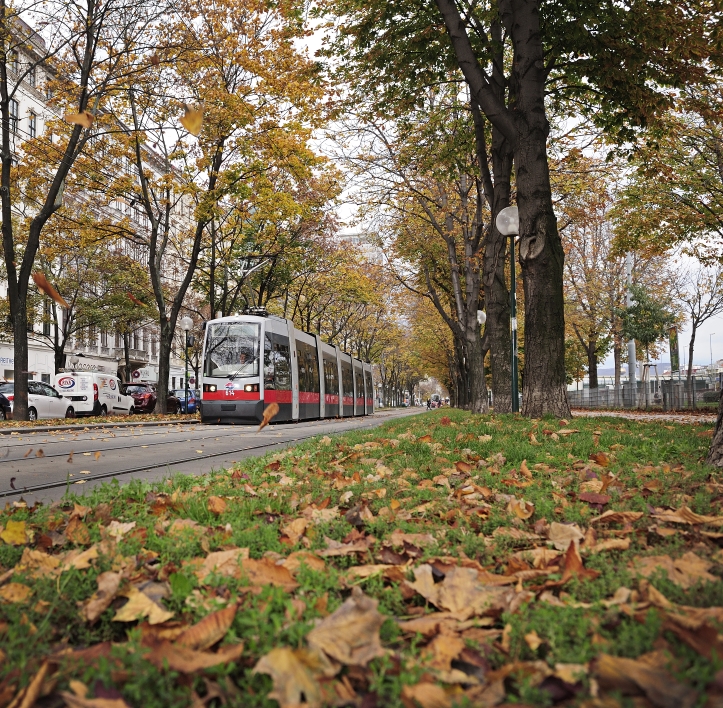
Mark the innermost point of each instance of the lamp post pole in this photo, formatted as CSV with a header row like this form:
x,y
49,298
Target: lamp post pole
x,y
186,324
508,224
710,343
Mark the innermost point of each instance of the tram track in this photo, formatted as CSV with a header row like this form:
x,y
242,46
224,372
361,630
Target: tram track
x,y
57,484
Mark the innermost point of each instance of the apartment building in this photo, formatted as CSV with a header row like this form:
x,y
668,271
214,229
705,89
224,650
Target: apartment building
x,y
30,110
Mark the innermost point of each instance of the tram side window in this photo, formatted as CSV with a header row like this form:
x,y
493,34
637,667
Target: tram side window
x,y
331,385
347,379
368,380
308,367
359,385
268,362
282,367
312,366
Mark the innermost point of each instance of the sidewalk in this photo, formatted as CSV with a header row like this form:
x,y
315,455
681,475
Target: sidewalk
x,y
96,426
688,418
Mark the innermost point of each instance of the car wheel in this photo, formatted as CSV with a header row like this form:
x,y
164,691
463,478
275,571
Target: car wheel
x,y
103,410
70,413
32,414
132,410
179,408
3,415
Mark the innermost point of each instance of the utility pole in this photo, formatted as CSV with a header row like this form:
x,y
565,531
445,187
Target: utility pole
x,y
631,343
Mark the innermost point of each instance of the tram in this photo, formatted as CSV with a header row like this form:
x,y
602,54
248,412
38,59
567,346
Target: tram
x,y
255,359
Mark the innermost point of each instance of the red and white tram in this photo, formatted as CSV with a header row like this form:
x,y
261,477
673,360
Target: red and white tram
x,y
250,361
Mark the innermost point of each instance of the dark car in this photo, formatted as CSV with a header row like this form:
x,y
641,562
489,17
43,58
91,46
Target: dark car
x,y
4,408
194,397
145,397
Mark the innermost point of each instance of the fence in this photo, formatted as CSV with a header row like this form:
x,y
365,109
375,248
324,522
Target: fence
x,y
659,392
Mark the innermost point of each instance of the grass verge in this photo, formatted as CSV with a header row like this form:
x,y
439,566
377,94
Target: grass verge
x,y
439,560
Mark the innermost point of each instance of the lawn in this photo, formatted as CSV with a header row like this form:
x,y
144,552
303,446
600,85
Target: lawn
x,y
440,560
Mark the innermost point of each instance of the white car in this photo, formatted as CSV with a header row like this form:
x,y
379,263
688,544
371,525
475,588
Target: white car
x,y
43,401
92,393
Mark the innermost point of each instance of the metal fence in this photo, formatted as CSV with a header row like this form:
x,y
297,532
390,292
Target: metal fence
x,y
667,393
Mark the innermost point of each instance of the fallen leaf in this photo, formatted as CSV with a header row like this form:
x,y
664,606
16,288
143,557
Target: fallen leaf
x,y
192,120
572,566
117,529
520,508
685,571
298,558
351,634
84,119
267,572
600,458
617,517
463,467
15,533
525,470
37,564
533,641
97,455
269,412
562,534
80,560
292,676
567,431
222,562
216,505
40,453
209,630
77,531
425,695
593,498
295,530
634,677
399,538
15,592
179,658
685,516
108,584
140,606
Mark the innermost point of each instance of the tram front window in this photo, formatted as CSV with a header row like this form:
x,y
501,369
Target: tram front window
x,y
232,350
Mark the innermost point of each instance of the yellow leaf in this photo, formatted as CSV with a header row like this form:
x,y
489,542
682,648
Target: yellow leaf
x,y
269,412
139,606
192,120
97,455
216,505
85,118
15,533
292,676
15,592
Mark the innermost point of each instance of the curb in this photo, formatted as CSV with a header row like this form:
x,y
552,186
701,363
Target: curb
x,y
98,426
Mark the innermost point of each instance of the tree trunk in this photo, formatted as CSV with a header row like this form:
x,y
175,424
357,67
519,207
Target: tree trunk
x,y
477,385
617,356
691,348
164,364
592,363
127,355
715,454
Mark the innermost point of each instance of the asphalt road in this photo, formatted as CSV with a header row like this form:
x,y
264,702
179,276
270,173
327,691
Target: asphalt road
x,y
40,467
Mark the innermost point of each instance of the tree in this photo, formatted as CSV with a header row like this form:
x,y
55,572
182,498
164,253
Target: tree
x,y
647,320
93,47
236,62
700,295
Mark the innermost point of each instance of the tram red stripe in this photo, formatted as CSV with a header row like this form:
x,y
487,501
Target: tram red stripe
x,y
309,397
231,394
348,401
331,398
273,396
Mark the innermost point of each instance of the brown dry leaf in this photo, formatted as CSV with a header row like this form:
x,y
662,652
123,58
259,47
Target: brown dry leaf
x,y
222,562
74,701
108,584
33,690
295,530
685,516
533,641
463,467
15,533
635,677
445,648
425,695
562,534
154,59
266,572
610,544
192,120
40,453
425,439
298,558
80,560
399,538
28,453
336,548
42,282
97,455
188,661
118,529
567,431
593,498
685,571
139,605
601,459
209,630
77,531
525,470
37,564
84,119
292,675
533,439
520,508
216,505
15,592
351,634
617,517
460,592
573,567
269,412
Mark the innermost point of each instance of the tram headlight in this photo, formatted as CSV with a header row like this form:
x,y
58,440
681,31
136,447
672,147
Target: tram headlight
x,y
251,387
209,388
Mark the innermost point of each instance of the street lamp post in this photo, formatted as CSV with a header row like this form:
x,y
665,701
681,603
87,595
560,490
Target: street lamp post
x,y
710,343
508,224
186,324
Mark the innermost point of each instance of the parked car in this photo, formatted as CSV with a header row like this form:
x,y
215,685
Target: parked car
x,y
194,397
145,397
43,401
93,393
5,407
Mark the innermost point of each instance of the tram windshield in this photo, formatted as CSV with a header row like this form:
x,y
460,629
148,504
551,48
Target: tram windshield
x,y
232,350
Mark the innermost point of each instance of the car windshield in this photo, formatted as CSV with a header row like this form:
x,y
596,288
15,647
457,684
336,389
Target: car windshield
x,y
232,349
7,387
135,389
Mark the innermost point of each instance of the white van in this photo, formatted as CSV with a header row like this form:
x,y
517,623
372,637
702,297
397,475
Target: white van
x,y
93,393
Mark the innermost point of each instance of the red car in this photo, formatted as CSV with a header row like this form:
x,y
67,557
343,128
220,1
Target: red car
x,y
145,397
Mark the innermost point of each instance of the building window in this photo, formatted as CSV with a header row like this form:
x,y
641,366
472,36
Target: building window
x,y
13,61
45,378
33,77
135,340
33,124
173,382
14,110
118,339
47,315
153,344
103,338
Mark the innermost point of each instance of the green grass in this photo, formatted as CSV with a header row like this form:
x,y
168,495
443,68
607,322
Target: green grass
x,y
654,465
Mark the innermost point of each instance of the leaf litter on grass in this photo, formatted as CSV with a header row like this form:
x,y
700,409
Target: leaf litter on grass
x,y
426,563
